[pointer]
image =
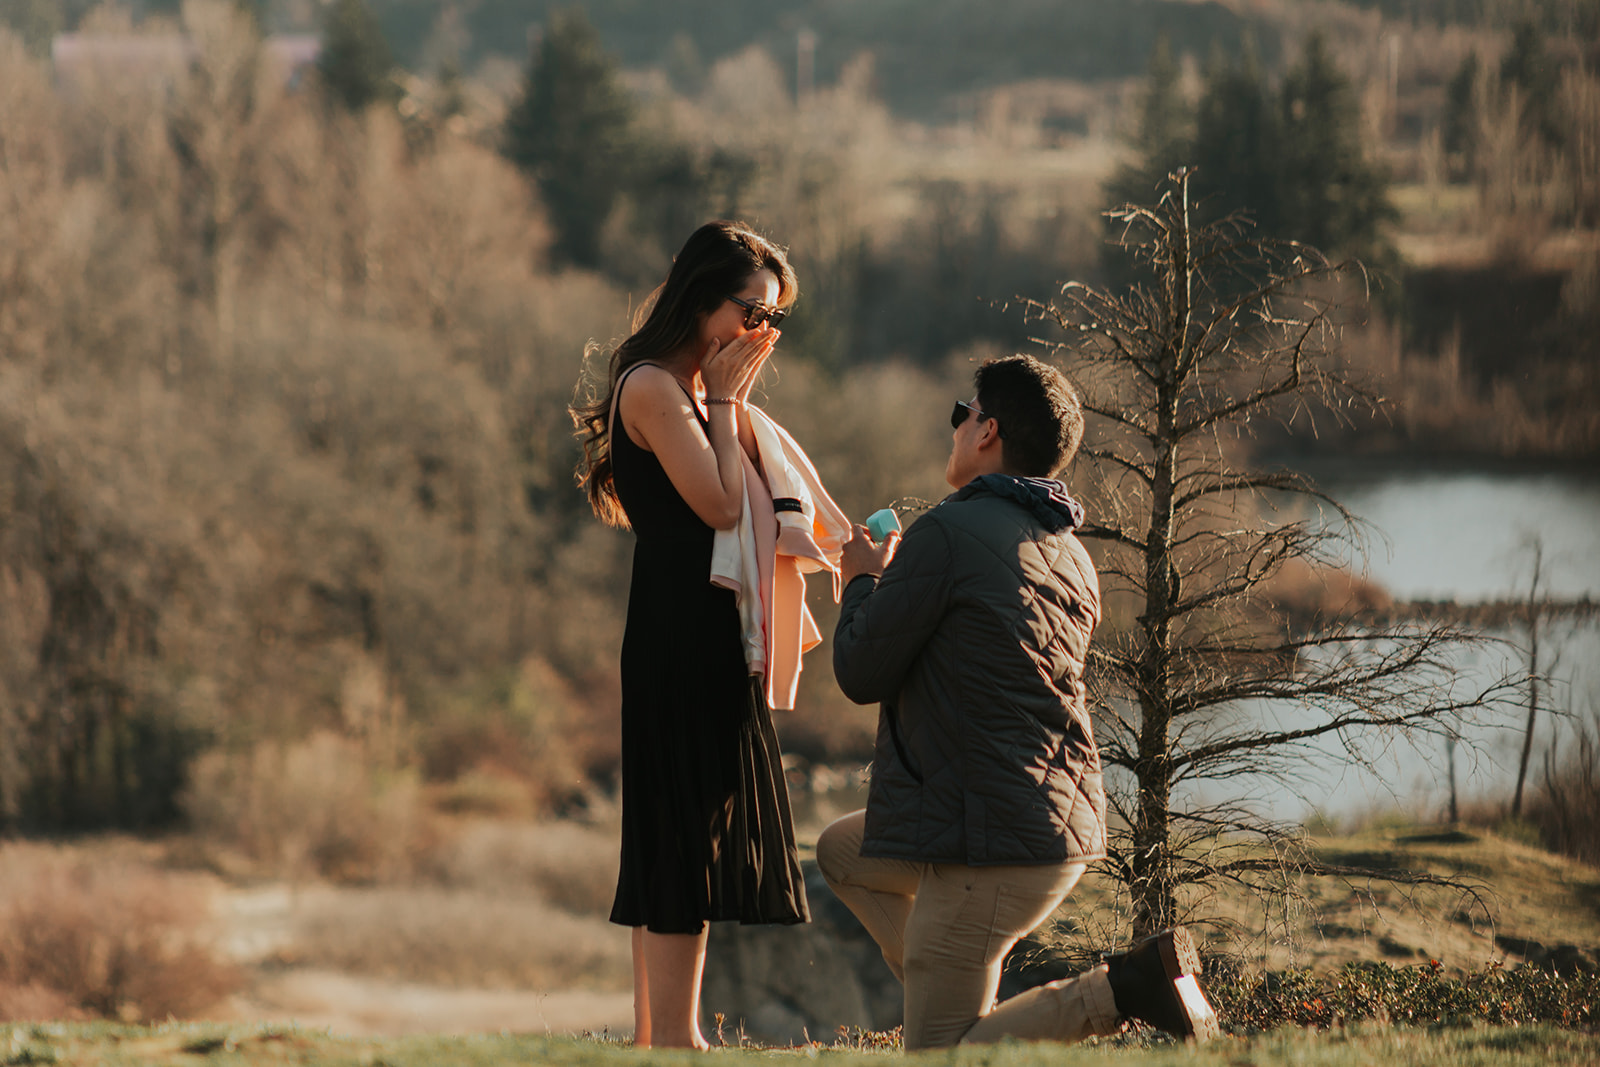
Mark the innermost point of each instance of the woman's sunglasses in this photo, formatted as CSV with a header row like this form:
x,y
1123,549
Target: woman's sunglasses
x,y
755,313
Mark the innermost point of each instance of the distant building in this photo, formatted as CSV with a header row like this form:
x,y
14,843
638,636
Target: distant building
x,y
81,59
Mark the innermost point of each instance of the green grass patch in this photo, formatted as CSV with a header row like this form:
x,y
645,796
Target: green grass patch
x,y
1426,207
106,1045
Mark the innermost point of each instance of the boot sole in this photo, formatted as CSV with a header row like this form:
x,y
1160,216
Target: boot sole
x,y
1178,953
1182,962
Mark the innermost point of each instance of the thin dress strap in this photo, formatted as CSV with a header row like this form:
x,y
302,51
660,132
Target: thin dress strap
x,y
616,401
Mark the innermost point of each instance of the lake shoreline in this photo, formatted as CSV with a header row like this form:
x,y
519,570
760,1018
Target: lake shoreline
x,y
1339,467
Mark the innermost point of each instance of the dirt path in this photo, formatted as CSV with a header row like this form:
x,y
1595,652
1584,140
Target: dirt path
x,y
363,1007
256,930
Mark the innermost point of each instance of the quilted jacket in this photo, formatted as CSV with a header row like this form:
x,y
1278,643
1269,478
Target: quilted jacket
x,y
974,643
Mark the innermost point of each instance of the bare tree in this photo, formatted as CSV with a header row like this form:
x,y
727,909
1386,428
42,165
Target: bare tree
x,y
1564,808
239,508
215,124
1533,676
1228,331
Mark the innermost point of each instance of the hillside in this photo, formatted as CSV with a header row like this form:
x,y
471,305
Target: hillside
x,y
925,54
1524,903
503,926
1533,903
1527,906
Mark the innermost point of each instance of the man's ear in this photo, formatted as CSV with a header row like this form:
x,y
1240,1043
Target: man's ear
x,y
989,437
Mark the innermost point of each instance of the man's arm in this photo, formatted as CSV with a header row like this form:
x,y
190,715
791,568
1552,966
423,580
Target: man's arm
x,y
885,622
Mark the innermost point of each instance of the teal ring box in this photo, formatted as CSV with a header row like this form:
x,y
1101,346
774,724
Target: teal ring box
x,y
882,523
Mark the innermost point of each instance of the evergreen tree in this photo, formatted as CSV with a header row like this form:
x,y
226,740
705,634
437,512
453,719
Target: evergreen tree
x,y
1462,105
450,93
355,63
674,189
255,11
1293,160
1165,136
35,21
1329,194
1237,141
1529,68
571,132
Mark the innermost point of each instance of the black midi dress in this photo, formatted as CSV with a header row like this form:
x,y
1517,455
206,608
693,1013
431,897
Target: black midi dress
x,y
706,828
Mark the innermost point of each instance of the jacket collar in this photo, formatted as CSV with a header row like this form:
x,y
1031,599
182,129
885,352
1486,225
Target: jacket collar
x,y
1045,498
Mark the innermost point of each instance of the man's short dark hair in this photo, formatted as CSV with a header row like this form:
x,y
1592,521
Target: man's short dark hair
x,y
1040,415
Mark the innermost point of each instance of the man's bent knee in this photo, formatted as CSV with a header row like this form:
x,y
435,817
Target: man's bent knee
x,y
839,847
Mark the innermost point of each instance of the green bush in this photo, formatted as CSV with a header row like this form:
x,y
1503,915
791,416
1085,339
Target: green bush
x,y
1419,995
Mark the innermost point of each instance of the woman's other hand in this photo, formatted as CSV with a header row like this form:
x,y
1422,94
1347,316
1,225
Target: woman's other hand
x,y
729,370
862,555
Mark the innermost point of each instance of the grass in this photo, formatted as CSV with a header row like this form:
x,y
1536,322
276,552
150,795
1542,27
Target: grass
x,y
106,1045
1525,899
1435,208
1532,896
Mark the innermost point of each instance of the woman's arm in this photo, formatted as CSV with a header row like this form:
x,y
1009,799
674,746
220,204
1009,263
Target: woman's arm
x,y
705,468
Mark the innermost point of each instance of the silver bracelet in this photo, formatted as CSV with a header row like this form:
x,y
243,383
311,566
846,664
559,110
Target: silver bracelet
x,y
723,400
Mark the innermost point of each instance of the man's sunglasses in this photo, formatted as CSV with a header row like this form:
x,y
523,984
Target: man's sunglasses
x,y
958,415
755,313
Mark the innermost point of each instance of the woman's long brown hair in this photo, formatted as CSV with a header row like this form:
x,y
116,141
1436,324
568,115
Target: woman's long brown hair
x,y
714,264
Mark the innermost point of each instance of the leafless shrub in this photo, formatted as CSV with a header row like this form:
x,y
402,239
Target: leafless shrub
x,y
565,864
1580,97
102,938
308,808
462,938
1563,807
1304,592
504,753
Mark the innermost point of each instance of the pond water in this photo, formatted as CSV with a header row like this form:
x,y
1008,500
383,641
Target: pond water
x,y
1469,536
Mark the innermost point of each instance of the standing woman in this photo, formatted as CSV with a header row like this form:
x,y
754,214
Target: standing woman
x,y
706,828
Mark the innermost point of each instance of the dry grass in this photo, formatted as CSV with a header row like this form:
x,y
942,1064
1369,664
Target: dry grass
x,y
1563,794
452,899
317,807
568,865
1528,901
1452,402
1306,591
1565,803
505,904
86,935
456,937
170,1046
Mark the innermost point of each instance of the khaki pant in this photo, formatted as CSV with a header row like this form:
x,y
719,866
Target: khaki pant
x,y
945,930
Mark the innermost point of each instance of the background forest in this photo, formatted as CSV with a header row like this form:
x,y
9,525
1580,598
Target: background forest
x,y
290,550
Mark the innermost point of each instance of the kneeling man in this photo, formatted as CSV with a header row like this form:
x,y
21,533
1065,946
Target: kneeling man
x,y
986,802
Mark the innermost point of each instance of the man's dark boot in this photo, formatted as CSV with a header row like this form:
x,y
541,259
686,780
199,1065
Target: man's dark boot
x,y
1154,982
